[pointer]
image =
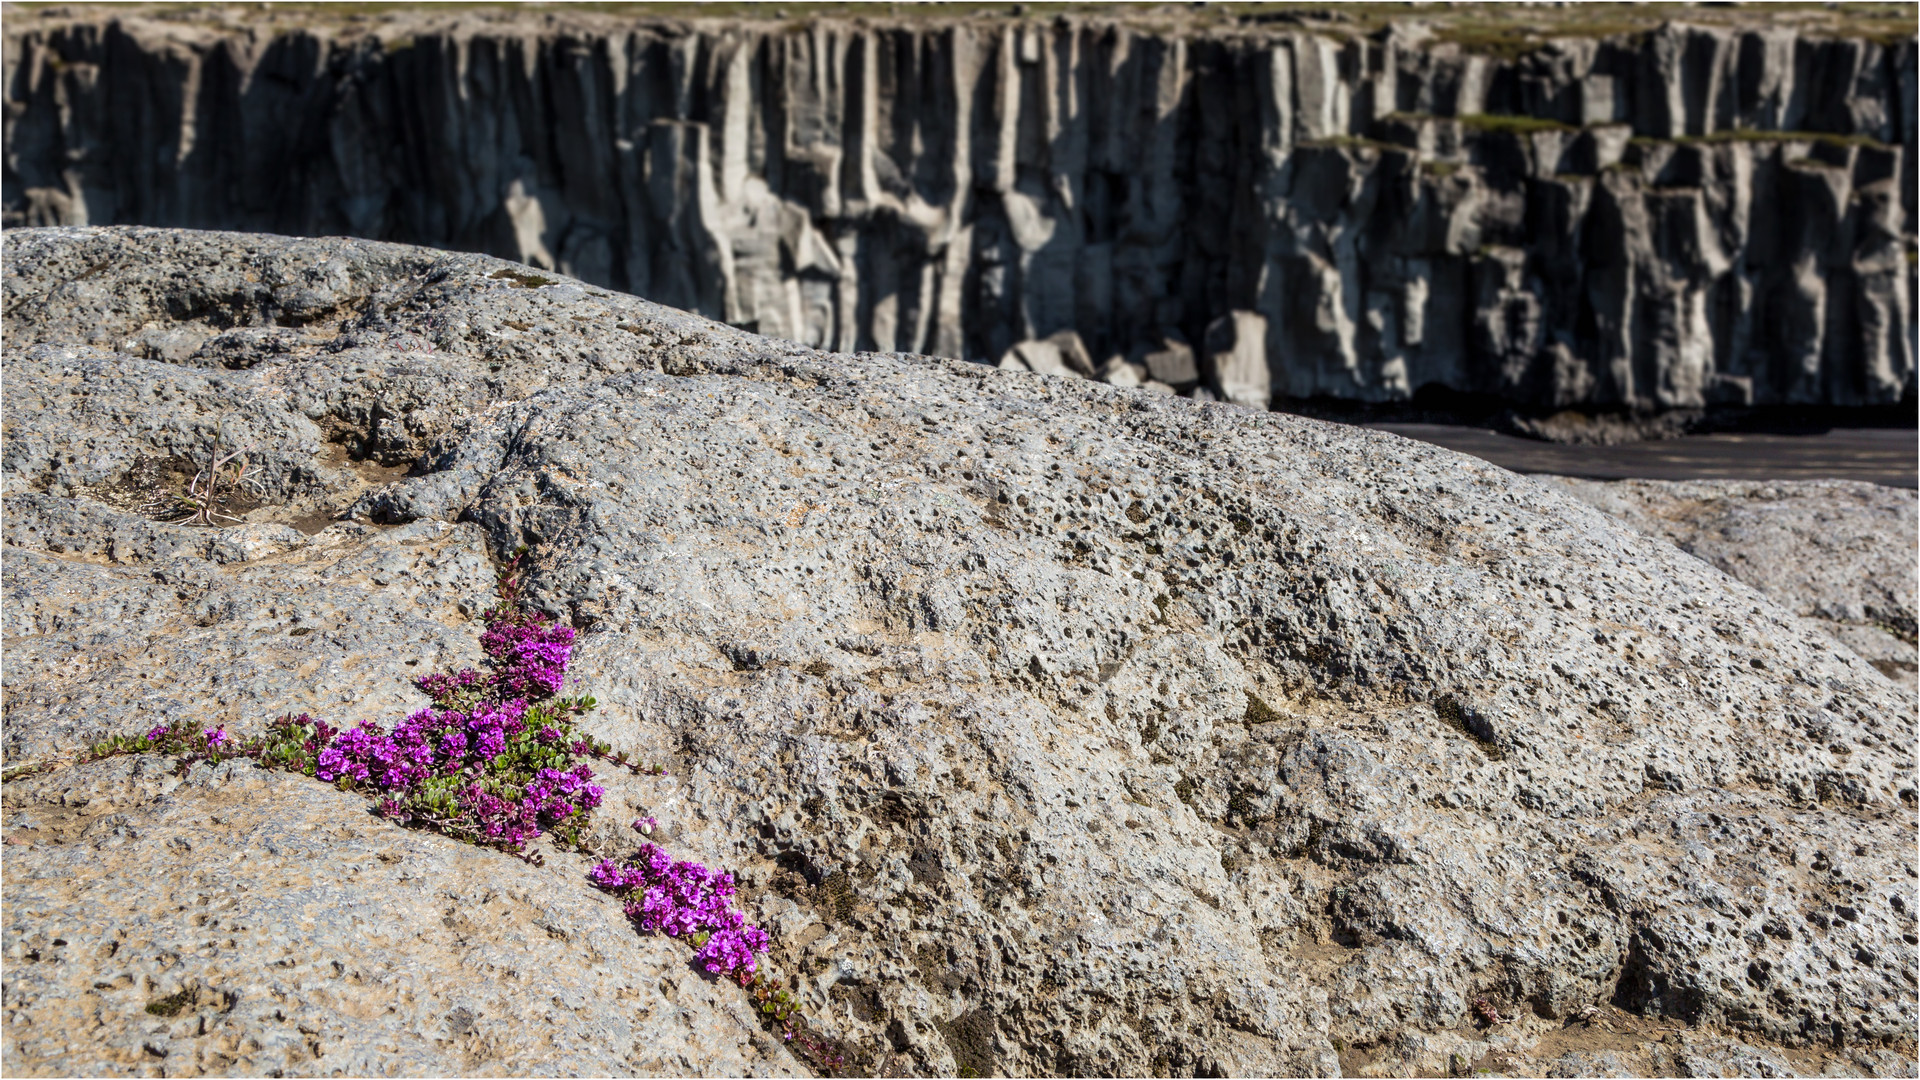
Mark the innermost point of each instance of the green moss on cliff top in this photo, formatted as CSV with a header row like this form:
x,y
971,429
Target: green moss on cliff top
x,y
1498,30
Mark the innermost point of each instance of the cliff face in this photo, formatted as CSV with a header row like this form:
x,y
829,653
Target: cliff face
x,y
1050,728
1680,217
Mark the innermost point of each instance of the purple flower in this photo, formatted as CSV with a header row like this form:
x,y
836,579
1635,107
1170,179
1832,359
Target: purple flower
x,y
441,687
658,861
155,734
530,654
217,738
686,898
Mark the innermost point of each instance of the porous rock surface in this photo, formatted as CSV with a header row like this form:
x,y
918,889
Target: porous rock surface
x,y
1052,726
1614,213
246,922
1836,551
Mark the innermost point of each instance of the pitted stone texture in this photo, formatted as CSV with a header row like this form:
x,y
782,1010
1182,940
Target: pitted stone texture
x,y
1056,727
1057,597
280,929
116,624
1838,552
347,398
1600,1047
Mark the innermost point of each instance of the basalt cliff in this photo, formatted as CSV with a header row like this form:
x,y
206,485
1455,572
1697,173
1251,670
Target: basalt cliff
x,y
1051,727
1643,216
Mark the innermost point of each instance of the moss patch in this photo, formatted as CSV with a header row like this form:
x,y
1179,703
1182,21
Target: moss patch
x,y
1259,712
1463,719
1512,125
970,1037
522,278
172,1004
835,896
1743,135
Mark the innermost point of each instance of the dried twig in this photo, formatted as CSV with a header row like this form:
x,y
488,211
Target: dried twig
x,y
210,487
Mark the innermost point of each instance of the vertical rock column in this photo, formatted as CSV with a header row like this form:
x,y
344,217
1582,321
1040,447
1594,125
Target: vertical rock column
x,y
1690,216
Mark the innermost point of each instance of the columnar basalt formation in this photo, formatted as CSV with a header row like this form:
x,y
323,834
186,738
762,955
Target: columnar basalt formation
x,y
1676,217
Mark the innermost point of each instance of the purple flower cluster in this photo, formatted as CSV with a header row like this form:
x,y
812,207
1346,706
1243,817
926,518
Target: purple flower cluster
x,y
367,755
551,798
516,821
686,899
444,686
487,759
444,743
529,654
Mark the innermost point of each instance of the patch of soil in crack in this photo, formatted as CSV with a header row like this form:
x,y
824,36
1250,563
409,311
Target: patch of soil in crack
x,y
157,488
368,475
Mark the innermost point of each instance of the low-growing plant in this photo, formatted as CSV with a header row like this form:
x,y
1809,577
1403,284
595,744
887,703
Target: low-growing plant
x,y
187,740
210,488
21,772
495,760
686,900
784,1010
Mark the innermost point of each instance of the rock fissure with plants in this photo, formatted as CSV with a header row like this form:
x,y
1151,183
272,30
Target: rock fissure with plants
x,y
495,761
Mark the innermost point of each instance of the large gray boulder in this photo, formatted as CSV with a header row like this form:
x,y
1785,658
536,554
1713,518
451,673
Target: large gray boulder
x,y
244,922
1052,726
1838,552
